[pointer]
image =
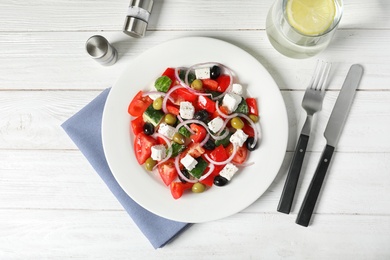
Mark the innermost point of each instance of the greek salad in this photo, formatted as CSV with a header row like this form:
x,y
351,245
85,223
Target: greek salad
x,y
196,127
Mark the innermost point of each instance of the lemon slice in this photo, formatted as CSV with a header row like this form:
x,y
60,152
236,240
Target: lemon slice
x,y
311,17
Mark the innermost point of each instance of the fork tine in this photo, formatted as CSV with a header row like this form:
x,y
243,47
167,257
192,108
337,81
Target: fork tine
x,y
325,75
314,78
320,75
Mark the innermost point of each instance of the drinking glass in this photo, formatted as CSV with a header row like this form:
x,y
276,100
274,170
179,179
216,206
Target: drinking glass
x,y
297,38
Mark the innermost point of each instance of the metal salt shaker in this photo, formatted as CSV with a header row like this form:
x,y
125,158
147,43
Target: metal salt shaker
x,y
101,50
137,18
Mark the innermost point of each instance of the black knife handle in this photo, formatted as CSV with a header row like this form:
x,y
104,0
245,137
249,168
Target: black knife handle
x,y
312,193
290,185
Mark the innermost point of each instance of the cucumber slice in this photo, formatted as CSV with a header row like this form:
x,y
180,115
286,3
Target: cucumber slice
x,y
152,115
184,131
242,107
163,83
225,142
176,149
199,168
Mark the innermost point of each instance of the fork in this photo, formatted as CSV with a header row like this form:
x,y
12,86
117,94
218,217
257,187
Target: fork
x,y
311,103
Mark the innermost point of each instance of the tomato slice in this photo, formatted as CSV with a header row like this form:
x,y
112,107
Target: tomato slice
x,y
183,94
137,125
194,149
252,105
248,130
167,171
172,109
223,82
200,133
206,103
241,154
139,104
178,188
142,146
210,84
219,154
223,110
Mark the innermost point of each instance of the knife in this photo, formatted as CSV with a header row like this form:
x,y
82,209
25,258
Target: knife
x,y
332,135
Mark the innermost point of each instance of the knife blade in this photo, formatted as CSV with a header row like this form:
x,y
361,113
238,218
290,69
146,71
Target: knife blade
x,y
332,134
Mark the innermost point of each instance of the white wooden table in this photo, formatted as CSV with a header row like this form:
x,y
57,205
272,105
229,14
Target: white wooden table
x,y
54,206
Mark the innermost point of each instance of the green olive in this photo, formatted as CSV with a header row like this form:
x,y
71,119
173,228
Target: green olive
x,y
157,103
149,164
254,118
170,119
237,123
179,138
197,84
198,187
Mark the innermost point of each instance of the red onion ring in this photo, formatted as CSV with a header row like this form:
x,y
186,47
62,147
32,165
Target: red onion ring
x,y
253,125
155,135
222,114
256,135
164,106
223,162
207,174
178,77
177,166
220,137
207,137
210,64
193,91
185,125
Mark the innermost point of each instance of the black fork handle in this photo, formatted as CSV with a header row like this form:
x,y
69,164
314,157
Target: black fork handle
x,y
293,175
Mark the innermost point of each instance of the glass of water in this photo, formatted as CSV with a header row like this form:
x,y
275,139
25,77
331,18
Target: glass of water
x,y
303,28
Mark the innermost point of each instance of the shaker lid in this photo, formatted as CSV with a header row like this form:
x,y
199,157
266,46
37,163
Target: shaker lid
x,y
97,46
144,4
135,27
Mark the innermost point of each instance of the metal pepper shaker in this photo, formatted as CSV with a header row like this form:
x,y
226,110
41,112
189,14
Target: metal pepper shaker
x,y
101,50
137,18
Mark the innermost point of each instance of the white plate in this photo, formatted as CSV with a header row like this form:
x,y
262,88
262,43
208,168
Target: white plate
x,y
218,202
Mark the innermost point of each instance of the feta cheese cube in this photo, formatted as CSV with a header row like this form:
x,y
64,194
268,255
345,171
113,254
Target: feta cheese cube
x,y
238,138
187,110
166,130
158,152
237,89
202,73
216,124
189,162
228,171
231,101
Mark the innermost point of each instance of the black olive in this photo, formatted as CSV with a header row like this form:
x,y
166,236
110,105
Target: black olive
x,y
209,145
202,115
220,181
215,72
148,128
249,144
186,174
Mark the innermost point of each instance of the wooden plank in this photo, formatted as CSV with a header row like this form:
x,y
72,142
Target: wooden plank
x,y
167,15
357,183
58,60
48,234
32,119
51,179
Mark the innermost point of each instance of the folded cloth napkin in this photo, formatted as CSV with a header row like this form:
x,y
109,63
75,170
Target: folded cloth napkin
x,y
84,128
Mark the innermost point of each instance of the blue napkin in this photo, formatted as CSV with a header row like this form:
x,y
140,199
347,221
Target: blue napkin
x,y
84,128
